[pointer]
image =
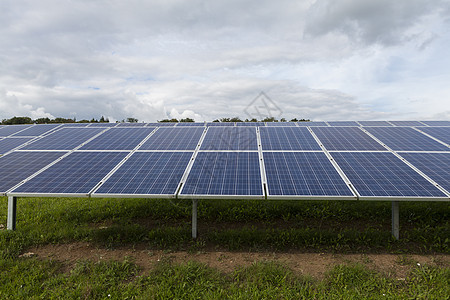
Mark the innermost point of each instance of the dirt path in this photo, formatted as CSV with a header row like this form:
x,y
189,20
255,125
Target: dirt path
x,y
313,264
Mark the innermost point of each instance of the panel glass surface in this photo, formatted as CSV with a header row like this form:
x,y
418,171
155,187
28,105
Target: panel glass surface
x,y
183,124
37,130
343,123
302,174
441,133
230,138
224,173
382,174
406,123
11,129
287,138
148,173
301,124
436,123
103,124
185,138
250,124
118,139
434,165
346,138
220,124
131,124
276,124
18,166
405,139
76,124
7,144
161,124
77,173
64,139
374,123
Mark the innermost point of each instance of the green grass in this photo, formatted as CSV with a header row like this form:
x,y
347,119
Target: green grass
x,y
332,226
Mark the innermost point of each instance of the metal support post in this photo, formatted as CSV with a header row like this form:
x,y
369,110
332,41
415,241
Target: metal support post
x,y
395,220
12,209
194,219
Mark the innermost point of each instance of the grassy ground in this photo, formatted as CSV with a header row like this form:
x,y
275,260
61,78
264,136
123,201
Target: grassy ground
x,y
263,226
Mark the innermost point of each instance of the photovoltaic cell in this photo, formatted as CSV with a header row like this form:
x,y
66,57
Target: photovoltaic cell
x,y
130,124
220,124
441,133
230,138
77,173
64,139
382,174
250,124
224,174
118,139
161,124
11,129
174,139
37,130
346,138
436,123
276,124
287,138
434,165
18,166
148,173
301,124
190,124
405,139
76,125
343,123
103,124
303,174
374,123
7,144
406,123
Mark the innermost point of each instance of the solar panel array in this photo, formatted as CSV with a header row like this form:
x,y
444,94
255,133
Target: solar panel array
x,y
397,160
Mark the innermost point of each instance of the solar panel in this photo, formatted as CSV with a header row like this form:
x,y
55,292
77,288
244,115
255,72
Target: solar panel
x,y
405,139
182,124
441,133
436,123
37,130
343,123
311,124
125,138
103,124
76,124
379,175
7,144
250,124
230,138
276,124
160,124
434,165
76,174
224,174
287,138
374,123
220,124
11,129
346,138
303,175
147,173
167,138
406,123
64,139
18,166
130,124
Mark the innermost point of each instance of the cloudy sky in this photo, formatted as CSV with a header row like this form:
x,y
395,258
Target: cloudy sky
x,y
322,60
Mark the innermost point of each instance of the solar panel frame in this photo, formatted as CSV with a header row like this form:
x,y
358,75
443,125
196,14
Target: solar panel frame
x,y
346,139
287,138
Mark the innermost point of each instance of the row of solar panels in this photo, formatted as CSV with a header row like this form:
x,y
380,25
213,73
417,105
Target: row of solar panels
x,y
284,162
237,138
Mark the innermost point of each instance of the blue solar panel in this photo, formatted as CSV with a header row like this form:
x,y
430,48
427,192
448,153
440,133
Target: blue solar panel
x,y
148,173
374,123
76,124
303,174
276,124
77,173
118,139
183,124
250,124
434,165
346,138
131,124
37,130
301,124
11,129
64,139
343,123
287,138
441,133
161,124
406,123
436,123
224,174
7,144
382,174
405,139
230,138
220,124
18,166
167,138
103,124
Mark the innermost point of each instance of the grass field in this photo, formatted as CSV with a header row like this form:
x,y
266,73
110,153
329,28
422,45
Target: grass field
x,y
224,225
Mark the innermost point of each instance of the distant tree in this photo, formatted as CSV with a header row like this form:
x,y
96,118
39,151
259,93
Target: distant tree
x,y
43,121
62,120
187,120
225,120
103,120
168,120
235,119
251,120
294,120
282,120
304,120
132,120
269,119
83,121
93,121
17,120
216,120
